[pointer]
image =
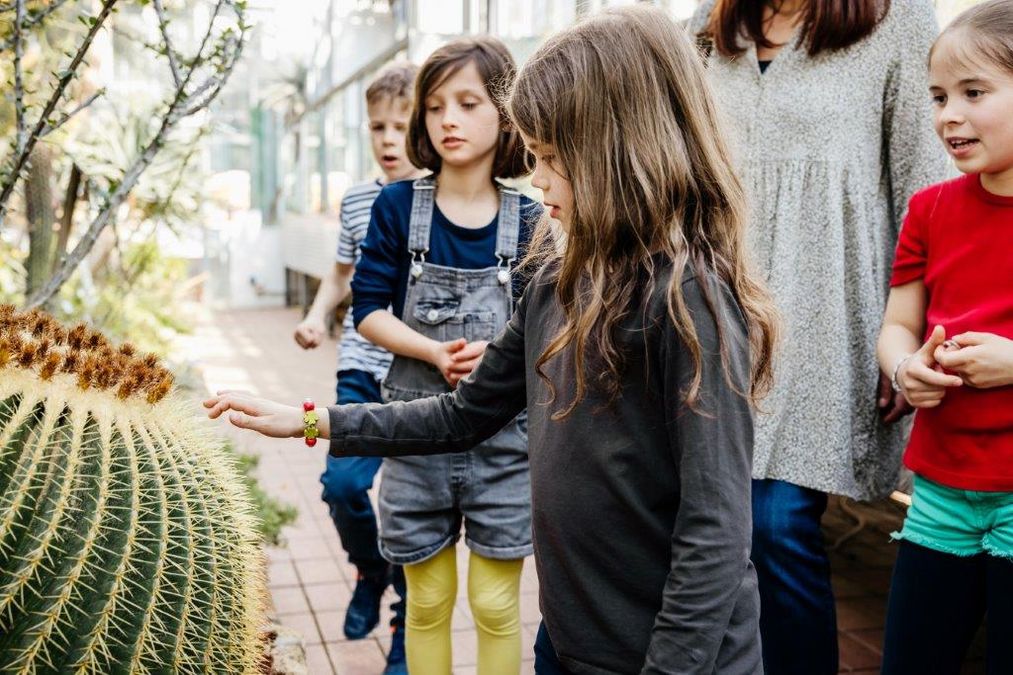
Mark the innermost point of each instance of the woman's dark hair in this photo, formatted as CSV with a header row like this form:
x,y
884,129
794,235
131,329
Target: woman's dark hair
x,y
827,25
496,67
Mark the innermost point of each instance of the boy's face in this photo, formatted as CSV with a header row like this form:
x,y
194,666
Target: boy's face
x,y
973,100
388,129
462,121
557,191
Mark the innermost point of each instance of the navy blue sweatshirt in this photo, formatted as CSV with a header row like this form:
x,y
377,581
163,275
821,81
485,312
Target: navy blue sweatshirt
x,y
381,275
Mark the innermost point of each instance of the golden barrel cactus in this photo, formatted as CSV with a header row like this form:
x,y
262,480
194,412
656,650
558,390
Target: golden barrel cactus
x,y
127,540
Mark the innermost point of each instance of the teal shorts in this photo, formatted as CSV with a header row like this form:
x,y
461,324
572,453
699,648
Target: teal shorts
x,y
960,522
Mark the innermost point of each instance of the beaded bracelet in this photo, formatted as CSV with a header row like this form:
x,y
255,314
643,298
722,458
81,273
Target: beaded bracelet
x,y
310,418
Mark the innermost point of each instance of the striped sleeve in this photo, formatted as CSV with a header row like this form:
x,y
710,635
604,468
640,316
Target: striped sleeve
x,y
355,209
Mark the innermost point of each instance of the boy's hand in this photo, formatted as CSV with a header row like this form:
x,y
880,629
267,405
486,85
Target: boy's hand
x,y
922,385
442,356
310,332
263,416
466,360
983,360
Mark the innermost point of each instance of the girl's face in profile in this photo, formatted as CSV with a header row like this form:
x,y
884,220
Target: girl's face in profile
x,y
462,121
973,100
548,176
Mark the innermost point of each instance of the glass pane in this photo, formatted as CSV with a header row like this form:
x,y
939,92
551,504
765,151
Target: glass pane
x,y
444,17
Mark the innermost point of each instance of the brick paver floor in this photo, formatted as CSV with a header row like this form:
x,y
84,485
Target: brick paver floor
x,y
310,579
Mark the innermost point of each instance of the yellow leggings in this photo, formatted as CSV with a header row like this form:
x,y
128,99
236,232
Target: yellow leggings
x,y
494,595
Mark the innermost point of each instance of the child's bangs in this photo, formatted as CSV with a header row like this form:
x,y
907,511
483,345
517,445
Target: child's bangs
x,y
539,96
445,70
531,111
974,52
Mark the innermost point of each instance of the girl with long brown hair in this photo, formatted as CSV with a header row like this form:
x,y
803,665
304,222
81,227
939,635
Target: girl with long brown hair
x,y
639,348
832,134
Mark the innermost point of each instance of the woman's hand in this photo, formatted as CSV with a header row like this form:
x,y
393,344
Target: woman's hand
x,y
263,416
922,385
892,404
983,360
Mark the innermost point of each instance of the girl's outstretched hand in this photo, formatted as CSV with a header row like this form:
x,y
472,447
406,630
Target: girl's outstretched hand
x,y
983,360
263,416
924,386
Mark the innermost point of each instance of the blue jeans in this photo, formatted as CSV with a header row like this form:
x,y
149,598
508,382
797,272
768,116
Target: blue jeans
x,y
798,620
347,480
546,660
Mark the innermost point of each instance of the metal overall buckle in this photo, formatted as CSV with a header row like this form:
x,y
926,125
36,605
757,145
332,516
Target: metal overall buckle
x,y
418,258
503,275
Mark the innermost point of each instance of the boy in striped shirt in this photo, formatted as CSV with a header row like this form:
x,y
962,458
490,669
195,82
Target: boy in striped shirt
x,y
362,365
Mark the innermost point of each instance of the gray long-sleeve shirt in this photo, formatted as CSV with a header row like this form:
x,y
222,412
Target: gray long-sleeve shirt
x,y
640,508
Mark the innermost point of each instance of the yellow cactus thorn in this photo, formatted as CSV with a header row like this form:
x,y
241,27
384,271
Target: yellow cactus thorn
x,y
127,538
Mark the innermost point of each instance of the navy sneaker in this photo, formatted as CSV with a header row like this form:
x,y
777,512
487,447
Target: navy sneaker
x,y
364,609
396,663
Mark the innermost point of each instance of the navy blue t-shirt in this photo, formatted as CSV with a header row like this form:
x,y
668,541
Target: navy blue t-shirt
x,y
381,275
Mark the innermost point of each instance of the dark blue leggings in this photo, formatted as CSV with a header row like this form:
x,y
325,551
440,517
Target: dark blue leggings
x,y
937,603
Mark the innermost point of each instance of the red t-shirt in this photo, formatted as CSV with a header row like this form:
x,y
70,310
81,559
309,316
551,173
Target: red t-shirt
x,y
958,239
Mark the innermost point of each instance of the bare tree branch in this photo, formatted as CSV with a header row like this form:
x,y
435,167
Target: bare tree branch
x,y
170,53
183,104
19,87
61,86
31,20
112,203
49,128
199,57
134,37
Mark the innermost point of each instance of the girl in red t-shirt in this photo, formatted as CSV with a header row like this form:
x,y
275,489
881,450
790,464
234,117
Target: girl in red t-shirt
x,y
953,278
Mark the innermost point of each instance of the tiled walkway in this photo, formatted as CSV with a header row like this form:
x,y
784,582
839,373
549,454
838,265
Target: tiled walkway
x,y
311,581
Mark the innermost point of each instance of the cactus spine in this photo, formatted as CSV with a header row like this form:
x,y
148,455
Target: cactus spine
x,y
127,542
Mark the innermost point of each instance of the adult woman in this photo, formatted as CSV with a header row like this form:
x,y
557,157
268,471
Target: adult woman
x,y
829,102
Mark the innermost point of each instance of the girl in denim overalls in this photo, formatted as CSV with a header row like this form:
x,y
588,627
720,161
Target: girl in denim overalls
x,y
432,253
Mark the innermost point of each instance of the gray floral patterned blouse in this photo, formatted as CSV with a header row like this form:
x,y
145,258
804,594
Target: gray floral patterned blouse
x,y
830,149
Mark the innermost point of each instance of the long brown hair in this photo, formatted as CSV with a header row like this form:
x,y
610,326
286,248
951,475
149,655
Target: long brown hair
x,y
497,69
623,100
827,25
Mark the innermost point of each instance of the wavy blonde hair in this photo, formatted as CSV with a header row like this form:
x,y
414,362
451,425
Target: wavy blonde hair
x,y
623,100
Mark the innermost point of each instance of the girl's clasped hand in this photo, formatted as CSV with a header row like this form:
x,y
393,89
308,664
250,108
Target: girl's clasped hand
x,y
455,359
980,360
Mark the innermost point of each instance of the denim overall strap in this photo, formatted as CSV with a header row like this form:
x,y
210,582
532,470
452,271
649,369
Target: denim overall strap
x,y
509,224
421,221
507,231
